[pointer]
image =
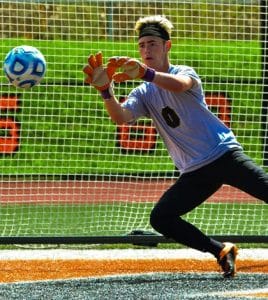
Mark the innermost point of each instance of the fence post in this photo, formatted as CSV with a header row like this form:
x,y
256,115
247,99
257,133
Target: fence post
x,y
264,41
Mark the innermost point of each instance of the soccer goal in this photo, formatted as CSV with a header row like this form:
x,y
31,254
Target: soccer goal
x,y
68,174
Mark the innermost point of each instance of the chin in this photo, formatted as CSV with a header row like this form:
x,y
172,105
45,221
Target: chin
x,y
150,64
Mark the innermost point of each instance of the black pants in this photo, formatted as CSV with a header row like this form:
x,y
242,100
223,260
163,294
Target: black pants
x,y
191,189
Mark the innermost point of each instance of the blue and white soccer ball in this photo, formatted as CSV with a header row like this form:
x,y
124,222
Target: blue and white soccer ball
x,y
24,66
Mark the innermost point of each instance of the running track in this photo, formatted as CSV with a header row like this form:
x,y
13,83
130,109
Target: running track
x,y
101,191
129,274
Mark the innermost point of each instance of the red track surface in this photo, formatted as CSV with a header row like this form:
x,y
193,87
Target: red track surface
x,y
29,270
100,192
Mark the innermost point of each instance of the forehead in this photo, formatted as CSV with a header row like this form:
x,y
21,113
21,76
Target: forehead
x,y
149,39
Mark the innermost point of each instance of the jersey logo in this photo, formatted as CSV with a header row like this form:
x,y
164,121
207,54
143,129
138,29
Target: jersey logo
x,y
170,116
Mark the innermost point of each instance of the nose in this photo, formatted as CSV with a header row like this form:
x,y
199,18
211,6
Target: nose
x,y
147,51
146,48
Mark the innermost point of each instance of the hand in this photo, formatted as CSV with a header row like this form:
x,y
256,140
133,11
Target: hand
x,y
98,76
132,69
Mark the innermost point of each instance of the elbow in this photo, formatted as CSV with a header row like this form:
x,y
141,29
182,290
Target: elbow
x,y
118,121
121,119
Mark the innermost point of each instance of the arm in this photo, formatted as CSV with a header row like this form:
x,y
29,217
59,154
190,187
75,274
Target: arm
x,y
117,113
173,83
133,69
100,78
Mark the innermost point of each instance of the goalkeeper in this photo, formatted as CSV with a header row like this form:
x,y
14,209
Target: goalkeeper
x,y
205,151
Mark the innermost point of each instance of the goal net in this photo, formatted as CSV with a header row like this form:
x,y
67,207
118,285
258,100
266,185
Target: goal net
x,y
67,170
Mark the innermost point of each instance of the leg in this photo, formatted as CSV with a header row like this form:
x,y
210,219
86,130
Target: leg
x,y
244,174
187,193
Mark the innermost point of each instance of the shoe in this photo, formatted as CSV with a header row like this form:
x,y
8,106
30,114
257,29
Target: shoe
x,y
227,259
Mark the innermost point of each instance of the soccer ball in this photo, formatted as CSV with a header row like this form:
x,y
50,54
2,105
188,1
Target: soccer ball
x,y
24,66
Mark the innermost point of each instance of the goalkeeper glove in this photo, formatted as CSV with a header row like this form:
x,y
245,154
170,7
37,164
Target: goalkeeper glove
x,y
132,69
98,76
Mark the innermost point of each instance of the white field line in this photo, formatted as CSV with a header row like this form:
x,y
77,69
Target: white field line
x,y
114,254
242,293
259,293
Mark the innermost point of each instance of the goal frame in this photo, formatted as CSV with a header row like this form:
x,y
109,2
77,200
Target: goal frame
x,y
139,237
150,240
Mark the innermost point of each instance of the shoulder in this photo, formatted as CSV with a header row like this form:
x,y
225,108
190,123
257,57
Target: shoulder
x,y
181,69
141,90
185,71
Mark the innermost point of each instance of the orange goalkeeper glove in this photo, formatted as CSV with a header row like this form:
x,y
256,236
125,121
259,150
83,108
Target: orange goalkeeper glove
x,y
98,76
132,69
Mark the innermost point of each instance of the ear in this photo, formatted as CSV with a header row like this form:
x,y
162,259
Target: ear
x,y
168,45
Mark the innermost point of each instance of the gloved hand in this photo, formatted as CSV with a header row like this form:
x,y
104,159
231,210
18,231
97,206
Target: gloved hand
x,y
98,76
132,69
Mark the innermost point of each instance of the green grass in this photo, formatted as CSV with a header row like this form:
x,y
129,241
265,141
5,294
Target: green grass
x,y
65,129
121,218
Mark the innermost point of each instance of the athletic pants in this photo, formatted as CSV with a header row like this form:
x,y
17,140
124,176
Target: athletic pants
x,y
191,189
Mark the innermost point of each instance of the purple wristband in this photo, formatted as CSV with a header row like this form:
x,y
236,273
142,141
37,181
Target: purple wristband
x,y
149,75
106,94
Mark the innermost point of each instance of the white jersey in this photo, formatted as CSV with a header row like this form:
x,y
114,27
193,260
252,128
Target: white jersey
x,y
193,135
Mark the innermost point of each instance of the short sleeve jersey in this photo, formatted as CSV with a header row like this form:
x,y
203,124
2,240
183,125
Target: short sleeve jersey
x,y
193,135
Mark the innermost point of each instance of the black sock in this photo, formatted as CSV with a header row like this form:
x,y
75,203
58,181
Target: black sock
x,y
215,247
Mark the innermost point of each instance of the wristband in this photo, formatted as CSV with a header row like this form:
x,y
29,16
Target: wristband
x,y
106,94
149,75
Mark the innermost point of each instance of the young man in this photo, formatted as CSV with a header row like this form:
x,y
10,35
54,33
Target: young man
x,y
204,150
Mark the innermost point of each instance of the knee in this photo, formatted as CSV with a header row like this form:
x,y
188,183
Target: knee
x,y
161,221
155,219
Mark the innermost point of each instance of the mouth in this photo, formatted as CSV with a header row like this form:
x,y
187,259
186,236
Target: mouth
x,y
148,60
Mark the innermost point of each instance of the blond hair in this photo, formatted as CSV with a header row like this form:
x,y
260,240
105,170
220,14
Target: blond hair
x,y
161,21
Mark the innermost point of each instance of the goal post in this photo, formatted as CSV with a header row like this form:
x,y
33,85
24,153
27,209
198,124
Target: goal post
x,y
264,43
68,174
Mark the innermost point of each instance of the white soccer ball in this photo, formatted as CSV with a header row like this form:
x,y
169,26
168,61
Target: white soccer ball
x,y
24,66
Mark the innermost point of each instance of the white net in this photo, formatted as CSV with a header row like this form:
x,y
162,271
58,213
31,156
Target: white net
x,y
67,170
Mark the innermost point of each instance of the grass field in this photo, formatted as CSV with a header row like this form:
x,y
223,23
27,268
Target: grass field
x,y
121,219
65,130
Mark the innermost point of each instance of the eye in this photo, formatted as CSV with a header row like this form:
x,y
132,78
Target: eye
x,y
153,44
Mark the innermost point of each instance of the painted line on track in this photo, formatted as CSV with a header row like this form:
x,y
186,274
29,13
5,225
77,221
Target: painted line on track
x,y
114,254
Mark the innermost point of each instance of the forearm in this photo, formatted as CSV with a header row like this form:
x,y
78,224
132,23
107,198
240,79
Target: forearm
x,y
118,114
